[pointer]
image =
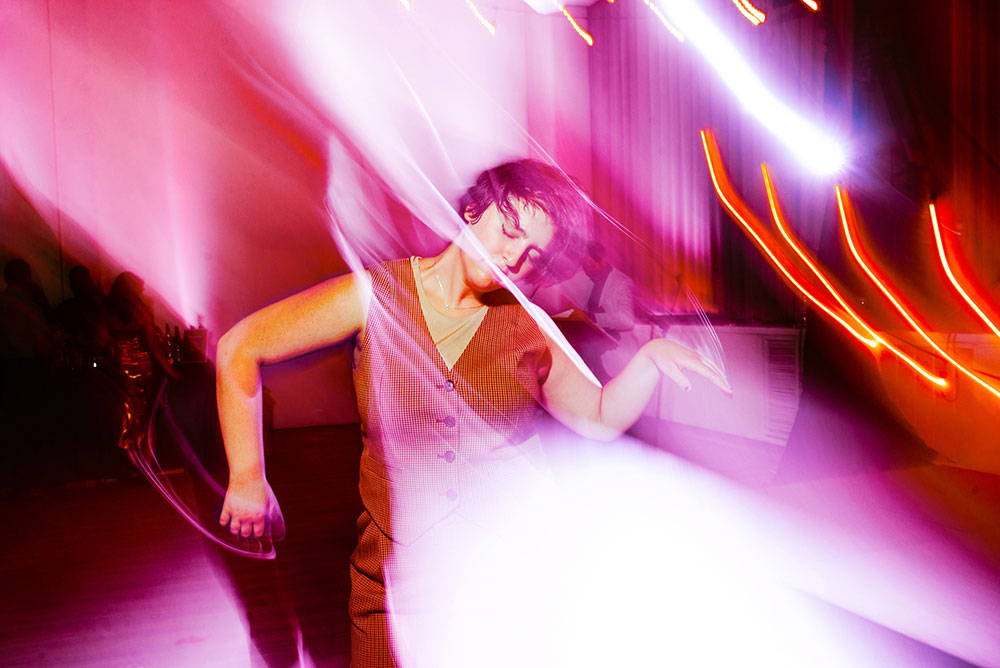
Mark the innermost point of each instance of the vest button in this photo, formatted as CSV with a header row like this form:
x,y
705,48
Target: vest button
x,y
449,386
449,456
449,421
451,495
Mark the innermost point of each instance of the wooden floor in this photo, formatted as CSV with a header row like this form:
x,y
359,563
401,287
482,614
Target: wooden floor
x,y
111,576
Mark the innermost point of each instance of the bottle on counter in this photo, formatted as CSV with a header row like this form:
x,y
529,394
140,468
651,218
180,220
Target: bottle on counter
x,y
177,343
168,344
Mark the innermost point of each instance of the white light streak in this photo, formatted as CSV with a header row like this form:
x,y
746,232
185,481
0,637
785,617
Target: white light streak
x,y
821,153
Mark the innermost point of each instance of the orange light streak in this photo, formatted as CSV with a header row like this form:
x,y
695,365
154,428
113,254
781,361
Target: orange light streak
x,y
951,276
847,217
772,200
663,19
752,14
482,19
576,26
875,339
726,193
811,4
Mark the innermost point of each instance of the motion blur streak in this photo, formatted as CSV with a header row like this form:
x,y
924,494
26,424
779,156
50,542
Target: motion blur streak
x,y
755,229
875,338
482,19
814,148
576,26
663,19
744,216
782,228
811,4
543,586
752,14
951,276
850,232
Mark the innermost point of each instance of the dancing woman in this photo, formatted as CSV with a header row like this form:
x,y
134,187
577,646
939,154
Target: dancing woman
x,y
449,370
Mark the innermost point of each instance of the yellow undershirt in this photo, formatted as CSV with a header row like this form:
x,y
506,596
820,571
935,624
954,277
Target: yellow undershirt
x,y
450,335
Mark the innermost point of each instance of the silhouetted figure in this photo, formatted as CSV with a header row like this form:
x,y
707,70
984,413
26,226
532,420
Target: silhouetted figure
x,y
25,348
24,330
84,321
138,355
87,386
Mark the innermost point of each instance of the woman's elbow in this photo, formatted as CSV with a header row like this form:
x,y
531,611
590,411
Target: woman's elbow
x,y
232,348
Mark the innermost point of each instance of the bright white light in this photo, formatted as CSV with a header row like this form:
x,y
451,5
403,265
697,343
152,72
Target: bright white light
x,y
819,152
546,586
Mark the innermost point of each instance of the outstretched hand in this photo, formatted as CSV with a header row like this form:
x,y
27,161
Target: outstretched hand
x,y
672,359
250,508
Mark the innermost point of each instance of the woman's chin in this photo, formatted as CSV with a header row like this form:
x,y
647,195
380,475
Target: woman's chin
x,y
485,281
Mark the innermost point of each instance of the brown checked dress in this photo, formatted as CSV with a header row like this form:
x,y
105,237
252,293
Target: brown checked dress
x,y
437,438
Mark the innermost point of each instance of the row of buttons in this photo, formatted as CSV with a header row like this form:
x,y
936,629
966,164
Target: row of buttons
x,y
449,421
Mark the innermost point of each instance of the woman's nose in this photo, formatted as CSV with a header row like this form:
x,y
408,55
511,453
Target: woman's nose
x,y
513,264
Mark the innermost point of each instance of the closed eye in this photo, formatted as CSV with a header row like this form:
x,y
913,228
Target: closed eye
x,y
512,229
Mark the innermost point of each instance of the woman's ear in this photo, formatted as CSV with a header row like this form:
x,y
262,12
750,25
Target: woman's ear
x,y
470,216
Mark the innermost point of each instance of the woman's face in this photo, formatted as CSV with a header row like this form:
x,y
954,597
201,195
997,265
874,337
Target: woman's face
x,y
516,247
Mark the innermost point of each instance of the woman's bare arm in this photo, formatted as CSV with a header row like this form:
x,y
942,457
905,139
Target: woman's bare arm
x,y
323,315
604,413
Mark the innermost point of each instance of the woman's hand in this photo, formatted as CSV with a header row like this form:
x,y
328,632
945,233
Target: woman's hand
x,y
672,358
604,413
250,507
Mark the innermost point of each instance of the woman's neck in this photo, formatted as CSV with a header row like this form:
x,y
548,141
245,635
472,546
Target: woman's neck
x,y
443,278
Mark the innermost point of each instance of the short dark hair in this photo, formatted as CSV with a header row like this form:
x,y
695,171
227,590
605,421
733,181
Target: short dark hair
x,y
552,191
16,271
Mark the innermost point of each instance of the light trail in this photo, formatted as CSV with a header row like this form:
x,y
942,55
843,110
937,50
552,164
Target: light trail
x,y
482,19
751,13
576,26
875,339
951,275
739,210
783,229
847,217
820,152
741,213
663,19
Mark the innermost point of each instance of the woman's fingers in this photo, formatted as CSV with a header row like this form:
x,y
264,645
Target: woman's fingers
x,y
697,364
673,372
245,521
672,357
